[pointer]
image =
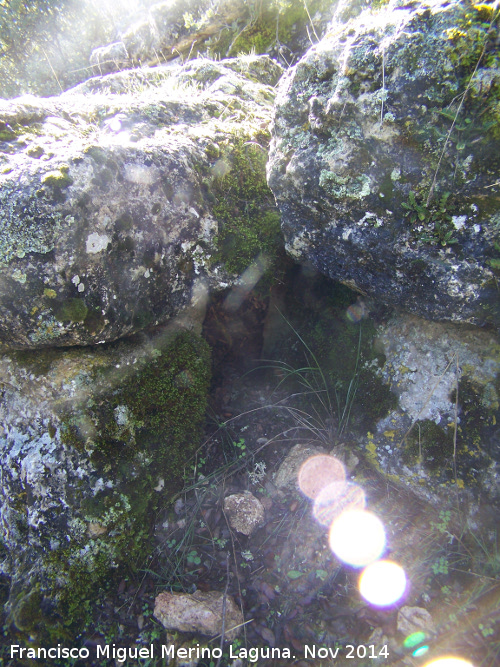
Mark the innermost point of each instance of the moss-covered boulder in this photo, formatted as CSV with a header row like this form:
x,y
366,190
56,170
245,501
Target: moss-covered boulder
x,y
92,439
118,198
384,158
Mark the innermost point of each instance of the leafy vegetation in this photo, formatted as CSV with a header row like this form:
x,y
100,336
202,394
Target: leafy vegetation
x,y
433,223
475,49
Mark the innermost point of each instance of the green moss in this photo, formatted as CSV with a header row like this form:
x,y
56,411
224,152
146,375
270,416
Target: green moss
x,y
432,442
59,178
71,310
432,445
155,410
35,151
33,361
249,222
137,427
7,135
98,154
27,610
124,223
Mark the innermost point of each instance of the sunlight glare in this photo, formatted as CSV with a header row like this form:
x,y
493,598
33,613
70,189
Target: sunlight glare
x,y
449,662
336,498
356,312
357,537
249,278
319,471
382,583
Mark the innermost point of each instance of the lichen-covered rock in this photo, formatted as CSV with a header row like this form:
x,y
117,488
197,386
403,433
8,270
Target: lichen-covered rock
x,y
116,205
203,612
244,511
424,363
384,162
86,435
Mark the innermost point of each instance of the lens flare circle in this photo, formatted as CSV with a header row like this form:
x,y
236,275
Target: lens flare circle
x,y
414,639
382,583
336,498
319,471
356,313
422,650
357,537
449,662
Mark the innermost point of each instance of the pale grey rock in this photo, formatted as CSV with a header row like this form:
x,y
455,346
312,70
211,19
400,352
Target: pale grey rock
x,y
244,511
288,473
421,371
201,612
424,361
414,619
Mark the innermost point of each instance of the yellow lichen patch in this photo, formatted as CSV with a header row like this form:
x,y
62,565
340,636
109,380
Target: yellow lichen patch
x,y
371,451
49,293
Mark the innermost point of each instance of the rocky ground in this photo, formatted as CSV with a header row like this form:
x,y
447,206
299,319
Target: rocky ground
x,y
279,571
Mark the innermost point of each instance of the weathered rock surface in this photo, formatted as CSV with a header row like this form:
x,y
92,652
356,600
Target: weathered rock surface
x,y
288,473
414,619
244,511
86,434
377,185
202,612
421,364
113,203
424,363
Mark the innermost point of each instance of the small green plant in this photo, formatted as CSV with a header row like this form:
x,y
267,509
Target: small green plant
x,y
240,447
237,644
472,46
486,630
440,566
294,574
432,223
444,522
189,21
192,558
